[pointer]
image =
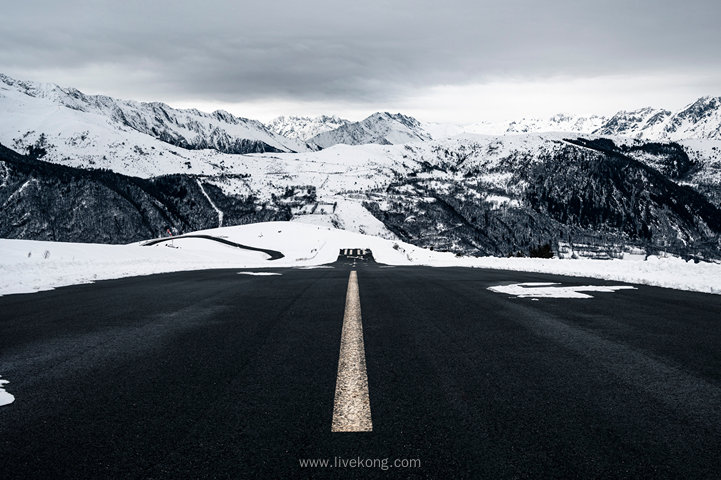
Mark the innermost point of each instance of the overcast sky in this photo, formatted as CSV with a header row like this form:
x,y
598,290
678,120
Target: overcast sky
x,y
445,60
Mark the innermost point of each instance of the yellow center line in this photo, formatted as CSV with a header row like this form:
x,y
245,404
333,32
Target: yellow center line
x,y
352,408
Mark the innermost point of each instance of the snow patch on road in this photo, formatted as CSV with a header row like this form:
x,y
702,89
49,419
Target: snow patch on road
x,y
5,397
537,290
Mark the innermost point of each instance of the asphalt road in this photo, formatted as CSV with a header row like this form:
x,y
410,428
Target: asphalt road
x,y
213,374
272,254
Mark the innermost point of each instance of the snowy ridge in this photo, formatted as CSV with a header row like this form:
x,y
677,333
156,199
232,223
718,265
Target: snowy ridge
x,y
700,119
631,123
186,128
557,123
305,128
382,128
44,115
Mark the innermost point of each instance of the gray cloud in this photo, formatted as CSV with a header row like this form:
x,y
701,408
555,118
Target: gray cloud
x,y
371,51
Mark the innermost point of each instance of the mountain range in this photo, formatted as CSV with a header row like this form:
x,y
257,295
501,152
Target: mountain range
x,y
226,133
188,129
45,201
382,128
92,168
576,191
305,128
700,119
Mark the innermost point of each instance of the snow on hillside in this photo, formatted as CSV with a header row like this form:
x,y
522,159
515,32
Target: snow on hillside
x,y
441,131
352,173
706,155
86,140
632,123
305,128
557,123
700,119
342,177
382,128
29,266
84,132
345,214
100,131
337,184
189,129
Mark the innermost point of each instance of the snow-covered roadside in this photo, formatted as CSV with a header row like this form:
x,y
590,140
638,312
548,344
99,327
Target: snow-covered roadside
x,y
29,266
671,272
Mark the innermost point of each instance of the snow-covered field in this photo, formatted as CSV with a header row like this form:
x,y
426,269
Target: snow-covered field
x,y
29,266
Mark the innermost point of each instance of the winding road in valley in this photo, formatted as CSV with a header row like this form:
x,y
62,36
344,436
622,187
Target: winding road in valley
x,y
272,254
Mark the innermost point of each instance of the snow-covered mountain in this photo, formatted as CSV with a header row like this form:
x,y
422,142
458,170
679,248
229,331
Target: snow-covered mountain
x,y
305,128
189,129
700,119
440,131
43,200
557,123
382,128
631,123
469,194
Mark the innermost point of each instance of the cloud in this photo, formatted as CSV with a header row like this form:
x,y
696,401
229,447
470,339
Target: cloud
x,y
348,52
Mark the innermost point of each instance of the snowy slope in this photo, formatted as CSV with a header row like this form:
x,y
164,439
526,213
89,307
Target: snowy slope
x,y
643,123
342,180
190,129
440,131
305,128
557,123
381,128
700,119
30,266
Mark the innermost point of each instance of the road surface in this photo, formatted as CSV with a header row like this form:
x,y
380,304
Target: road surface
x,y
212,374
272,254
